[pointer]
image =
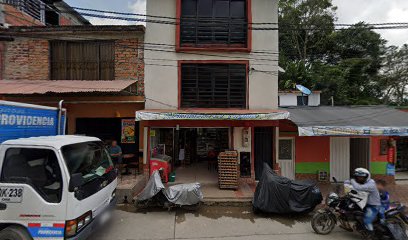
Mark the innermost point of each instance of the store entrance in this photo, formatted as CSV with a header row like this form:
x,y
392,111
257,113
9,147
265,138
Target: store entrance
x,y
190,154
401,165
109,129
263,149
198,150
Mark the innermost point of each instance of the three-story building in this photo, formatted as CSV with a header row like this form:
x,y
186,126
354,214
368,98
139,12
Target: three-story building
x,y
211,84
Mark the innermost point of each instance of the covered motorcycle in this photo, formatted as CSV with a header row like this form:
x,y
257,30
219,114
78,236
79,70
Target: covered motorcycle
x,y
155,194
277,194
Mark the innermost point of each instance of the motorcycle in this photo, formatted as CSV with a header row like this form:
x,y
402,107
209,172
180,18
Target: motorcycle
x,y
187,196
348,210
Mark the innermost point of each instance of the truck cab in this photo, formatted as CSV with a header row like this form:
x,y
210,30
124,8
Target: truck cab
x,y
55,187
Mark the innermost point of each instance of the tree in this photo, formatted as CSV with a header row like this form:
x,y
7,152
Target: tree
x,y
394,77
304,27
341,63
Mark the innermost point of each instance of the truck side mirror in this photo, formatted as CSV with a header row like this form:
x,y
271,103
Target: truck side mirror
x,y
75,182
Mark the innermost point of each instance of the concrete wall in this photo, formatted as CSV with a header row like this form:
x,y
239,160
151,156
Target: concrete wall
x,y
238,140
290,99
161,82
313,154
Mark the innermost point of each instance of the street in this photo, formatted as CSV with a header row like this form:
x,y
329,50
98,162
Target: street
x,y
215,222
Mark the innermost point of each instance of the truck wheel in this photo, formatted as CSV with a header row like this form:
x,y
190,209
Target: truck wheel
x,y
15,233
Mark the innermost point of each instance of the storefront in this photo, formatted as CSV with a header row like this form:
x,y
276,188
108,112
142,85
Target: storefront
x,y
325,142
189,143
104,109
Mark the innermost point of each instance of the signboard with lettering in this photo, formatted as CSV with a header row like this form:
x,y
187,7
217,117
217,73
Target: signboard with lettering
x,y
19,121
352,131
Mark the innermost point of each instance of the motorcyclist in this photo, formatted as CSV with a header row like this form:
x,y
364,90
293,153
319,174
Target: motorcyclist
x,y
362,181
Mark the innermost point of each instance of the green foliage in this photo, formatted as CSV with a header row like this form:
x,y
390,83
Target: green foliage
x,y
394,77
345,64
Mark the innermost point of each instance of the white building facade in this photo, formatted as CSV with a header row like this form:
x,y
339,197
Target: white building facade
x,y
211,69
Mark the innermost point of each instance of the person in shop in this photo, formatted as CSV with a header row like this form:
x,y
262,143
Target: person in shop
x,y
115,152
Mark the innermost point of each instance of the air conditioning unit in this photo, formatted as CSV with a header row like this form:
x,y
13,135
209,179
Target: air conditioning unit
x,y
323,176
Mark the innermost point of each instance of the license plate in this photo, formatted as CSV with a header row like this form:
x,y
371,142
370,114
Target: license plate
x,y
11,194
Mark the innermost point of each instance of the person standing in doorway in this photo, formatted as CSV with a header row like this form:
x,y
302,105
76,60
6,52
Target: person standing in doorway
x,y
115,152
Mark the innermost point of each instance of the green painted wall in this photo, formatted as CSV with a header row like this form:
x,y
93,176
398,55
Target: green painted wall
x,y
312,167
378,167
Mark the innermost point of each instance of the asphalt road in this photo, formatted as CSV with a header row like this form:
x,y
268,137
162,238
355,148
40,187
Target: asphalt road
x,y
226,223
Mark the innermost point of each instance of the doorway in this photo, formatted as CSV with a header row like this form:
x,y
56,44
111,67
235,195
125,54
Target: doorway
x,y
108,129
359,153
286,157
263,149
347,154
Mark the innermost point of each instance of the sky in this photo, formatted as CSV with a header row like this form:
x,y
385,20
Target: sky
x,y
349,11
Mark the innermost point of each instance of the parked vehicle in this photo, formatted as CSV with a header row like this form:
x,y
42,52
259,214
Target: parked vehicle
x,y
349,212
51,187
188,196
20,120
277,194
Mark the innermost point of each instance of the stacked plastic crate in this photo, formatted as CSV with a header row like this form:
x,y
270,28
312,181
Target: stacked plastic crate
x,y
228,170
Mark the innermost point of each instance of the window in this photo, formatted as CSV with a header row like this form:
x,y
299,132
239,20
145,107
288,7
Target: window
x,y
91,159
36,167
82,60
206,23
285,149
213,85
302,100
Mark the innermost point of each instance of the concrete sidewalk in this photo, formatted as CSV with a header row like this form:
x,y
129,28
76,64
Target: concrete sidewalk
x,y
227,223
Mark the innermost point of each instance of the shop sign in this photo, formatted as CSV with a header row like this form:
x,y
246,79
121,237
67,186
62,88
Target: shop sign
x,y
147,116
128,131
352,130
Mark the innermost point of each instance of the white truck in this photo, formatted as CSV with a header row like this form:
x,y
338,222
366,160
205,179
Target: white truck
x,y
55,187
52,186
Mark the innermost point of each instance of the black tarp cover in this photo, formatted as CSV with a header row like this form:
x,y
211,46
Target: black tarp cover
x,y
276,194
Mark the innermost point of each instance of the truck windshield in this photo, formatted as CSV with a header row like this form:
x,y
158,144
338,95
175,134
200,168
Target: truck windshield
x,y
91,159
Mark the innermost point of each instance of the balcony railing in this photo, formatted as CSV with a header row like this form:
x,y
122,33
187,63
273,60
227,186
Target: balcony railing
x,y
34,8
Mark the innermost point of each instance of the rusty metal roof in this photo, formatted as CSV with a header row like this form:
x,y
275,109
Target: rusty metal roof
x,y
17,87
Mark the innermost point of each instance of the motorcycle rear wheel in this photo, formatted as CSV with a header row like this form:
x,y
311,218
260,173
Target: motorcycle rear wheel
x,y
397,220
323,223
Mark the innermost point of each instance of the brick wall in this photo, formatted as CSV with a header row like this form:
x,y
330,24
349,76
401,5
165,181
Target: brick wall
x,y
15,17
63,21
129,62
27,59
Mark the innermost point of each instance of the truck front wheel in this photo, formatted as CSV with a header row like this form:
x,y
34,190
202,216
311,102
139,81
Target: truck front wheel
x,y
14,233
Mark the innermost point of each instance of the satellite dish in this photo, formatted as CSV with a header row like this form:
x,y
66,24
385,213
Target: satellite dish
x,y
304,89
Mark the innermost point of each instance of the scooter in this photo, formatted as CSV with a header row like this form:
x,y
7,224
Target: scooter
x,y
155,194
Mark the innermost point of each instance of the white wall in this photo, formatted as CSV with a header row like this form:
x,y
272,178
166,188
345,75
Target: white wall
x,y
238,140
161,82
290,99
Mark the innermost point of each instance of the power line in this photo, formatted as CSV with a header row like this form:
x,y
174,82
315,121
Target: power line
x,y
335,26
252,23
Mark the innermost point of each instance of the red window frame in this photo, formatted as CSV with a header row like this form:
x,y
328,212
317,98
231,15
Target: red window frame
x,y
244,62
213,47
